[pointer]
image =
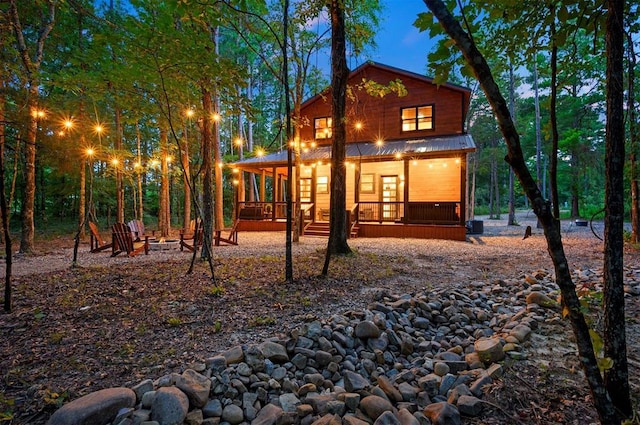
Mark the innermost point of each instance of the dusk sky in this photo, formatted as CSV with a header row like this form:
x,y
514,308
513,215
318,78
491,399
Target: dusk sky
x,y
400,44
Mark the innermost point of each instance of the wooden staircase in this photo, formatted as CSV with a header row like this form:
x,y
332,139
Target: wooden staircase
x,y
321,230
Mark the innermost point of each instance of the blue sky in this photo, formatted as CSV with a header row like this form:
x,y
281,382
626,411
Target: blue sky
x,y
400,44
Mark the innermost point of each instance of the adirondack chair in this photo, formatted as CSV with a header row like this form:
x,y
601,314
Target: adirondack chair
x,y
137,228
232,239
97,242
195,237
123,241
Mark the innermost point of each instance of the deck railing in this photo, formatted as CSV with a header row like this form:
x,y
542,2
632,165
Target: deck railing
x,y
416,212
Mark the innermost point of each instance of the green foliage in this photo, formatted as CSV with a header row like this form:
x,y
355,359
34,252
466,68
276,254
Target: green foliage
x,y
262,321
174,321
6,408
216,291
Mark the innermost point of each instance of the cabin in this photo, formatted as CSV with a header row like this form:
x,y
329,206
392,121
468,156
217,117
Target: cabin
x,y
407,153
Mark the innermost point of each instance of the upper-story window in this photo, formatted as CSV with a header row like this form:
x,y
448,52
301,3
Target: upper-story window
x,y
417,118
322,128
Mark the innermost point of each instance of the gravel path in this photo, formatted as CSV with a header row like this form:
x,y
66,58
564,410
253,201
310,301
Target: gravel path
x,y
497,241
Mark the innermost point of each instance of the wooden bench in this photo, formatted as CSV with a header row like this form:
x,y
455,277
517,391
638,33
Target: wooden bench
x,y
251,213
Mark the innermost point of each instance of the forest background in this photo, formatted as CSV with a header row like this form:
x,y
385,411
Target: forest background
x,y
102,105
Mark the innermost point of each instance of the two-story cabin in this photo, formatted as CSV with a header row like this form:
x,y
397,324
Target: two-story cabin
x,y
406,157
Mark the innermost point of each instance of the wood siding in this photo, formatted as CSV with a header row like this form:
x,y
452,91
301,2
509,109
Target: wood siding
x,y
381,117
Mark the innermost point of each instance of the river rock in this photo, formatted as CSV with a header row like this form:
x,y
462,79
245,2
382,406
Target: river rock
x,y
367,329
97,408
170,406
489,350
442,413
374,406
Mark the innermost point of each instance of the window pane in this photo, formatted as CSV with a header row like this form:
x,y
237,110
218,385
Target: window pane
x,y
408,125
424,111
425,124
408,113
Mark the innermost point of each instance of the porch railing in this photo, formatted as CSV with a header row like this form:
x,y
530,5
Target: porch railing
x,y
416,212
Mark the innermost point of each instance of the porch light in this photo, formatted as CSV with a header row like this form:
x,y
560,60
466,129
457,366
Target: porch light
x,y
220,164
235,182
168,158
398,155
189,113
215,117
98,128
457,160
239,141
38,113
90,152
414,162
313,144
444,165
68,124
379,142
259,152
115,162
358,125
235,171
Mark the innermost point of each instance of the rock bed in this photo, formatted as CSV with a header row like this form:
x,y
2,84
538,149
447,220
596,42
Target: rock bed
x,y
408,359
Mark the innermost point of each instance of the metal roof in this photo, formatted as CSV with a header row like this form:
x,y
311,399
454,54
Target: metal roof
x,y
371,151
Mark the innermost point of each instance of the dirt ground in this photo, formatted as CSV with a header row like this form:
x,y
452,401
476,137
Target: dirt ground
x,y
75,330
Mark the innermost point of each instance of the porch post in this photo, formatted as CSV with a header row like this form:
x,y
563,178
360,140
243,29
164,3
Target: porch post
x,y
405,218
356,190
263,178
274,193
314,175
463,189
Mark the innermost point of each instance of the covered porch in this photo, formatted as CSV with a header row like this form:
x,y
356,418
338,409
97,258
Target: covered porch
x,y
407,188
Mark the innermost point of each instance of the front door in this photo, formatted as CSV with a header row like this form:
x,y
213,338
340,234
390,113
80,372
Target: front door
x,y
389,195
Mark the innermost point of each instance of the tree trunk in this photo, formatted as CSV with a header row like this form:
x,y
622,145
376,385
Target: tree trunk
x,y
511,221
29,192
140,212
217,155
338,230
615,346
186,178
207,178
633,142
541,207
287,111
164,216
553,166
4,210
119,183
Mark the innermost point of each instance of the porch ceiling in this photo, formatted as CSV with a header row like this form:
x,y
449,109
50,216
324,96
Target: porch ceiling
x,y
369,151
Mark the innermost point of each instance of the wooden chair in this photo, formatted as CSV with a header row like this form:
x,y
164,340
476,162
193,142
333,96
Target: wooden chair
x,y
123,241
232,239
97,243
137,228
196,237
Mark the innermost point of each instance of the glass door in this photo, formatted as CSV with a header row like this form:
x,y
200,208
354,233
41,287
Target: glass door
x,y
389,194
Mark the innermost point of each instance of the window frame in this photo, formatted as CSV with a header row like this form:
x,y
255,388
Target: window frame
x,y
324,132
415,121
371,184
306,185
322,184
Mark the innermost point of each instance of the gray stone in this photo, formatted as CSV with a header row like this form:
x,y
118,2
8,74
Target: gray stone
x,y
255,359
289,402
541,300
354,382
469,405
147,399
232,414
392,392
407,418
373,406
142,388
97,408
367,329
275,352
408,391
268,415
319,402
195,386
387,418
170,406
441,368
478,385
353,420
489,350
521,332
194,417
234,355
213,408
219,363
442,413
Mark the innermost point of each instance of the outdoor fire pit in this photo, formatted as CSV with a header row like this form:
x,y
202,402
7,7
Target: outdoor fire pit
x,y
164,244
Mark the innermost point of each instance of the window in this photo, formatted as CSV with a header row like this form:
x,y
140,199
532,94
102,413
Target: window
x,y
322,128
322,185
367,183
417,118
305,190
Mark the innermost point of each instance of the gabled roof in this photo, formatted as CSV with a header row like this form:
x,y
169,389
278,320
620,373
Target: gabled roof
x,y
400,72
371,151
